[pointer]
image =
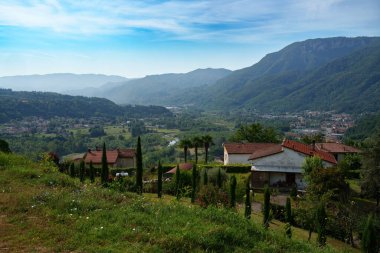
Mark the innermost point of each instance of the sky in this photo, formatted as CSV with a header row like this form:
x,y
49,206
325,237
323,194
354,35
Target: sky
x,y
137,38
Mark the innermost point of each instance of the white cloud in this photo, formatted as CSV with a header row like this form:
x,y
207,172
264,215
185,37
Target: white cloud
x,y
193,20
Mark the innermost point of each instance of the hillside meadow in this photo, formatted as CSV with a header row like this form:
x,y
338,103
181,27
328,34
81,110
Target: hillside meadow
x,y
43,210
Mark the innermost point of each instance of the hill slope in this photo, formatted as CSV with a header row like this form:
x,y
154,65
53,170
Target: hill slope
x,y
299,77
59,82
43,210
17,105
156,89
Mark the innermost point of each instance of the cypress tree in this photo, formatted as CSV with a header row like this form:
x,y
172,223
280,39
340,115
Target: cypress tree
x,y
219,179
193,183
288,230
248,207
92,173
105,171
177,182
266,208
159,180
139,167
321,225
288,211
205,178
72,170
369,243
81,171
233,192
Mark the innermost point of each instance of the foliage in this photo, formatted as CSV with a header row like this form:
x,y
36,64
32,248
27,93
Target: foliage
x,y
371,169
196,143
97,131
351,165
288,211
248,207
139,167
309,139
219,180
233,192
205,177
81,171
72,170
321,224
177,182
369,241
105,171
211,195
266,207
288,230
207,142
92,173
159,179
364,128
185,144
4,146
194,176
255,133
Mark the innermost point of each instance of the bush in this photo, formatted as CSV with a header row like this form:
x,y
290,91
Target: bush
x,y
212,195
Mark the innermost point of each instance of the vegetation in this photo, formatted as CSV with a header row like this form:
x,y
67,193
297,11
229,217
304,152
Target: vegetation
x,y
105,171
92,172
194,176
266,208
4,146
207,142
255,133
233,192
139,167
369,240
81,171
248,207
159,180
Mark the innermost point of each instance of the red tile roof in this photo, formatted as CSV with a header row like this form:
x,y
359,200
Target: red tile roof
x,y
247,148
182,166
96,156
308,150
127,153
336,148
270,150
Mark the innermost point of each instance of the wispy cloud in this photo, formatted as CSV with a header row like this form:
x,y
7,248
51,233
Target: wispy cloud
x,y
192,20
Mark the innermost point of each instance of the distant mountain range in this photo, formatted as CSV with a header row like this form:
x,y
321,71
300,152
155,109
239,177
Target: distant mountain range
x,y
62,82
339,73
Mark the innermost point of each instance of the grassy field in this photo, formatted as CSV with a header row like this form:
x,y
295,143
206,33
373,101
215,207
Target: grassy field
x,y
42,210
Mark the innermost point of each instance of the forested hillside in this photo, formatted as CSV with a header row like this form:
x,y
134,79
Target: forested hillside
x,y
17,105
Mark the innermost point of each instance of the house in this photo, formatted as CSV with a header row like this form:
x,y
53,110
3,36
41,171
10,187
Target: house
x,y
118,158
338,150
281,165
182,166
240,152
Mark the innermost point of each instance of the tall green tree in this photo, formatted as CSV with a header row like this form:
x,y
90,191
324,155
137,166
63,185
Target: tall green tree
x,y
233,192
371,169
288,211
92,172
266,208
369,241
205,177
159,180
139,168
72,170
193,183
248,207
321,224
255,133
81,171
197,142
207,142
4,146
185,144
177,182
219,179
105,171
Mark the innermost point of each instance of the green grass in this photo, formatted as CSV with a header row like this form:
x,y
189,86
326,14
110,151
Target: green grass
x,y
43,210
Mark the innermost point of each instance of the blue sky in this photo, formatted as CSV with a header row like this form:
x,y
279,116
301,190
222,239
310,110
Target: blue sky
x,y
137,38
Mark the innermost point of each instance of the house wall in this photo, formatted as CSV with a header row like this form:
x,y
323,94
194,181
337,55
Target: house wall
x,y
276,177
125,163
236,158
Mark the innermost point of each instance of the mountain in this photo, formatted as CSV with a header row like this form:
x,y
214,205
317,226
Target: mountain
x,y
155,89
21,104
327,74
56,82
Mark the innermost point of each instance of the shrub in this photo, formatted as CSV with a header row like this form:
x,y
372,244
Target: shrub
x,y
233,191
266,207
211,195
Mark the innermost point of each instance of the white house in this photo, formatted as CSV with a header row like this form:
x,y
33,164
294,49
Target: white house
x,y
239,153
281,165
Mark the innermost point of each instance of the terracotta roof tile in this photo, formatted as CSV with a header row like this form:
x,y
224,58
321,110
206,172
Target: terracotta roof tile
x,y
336,148
96,156
182,166
246,148
266,151
308,150
127,153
